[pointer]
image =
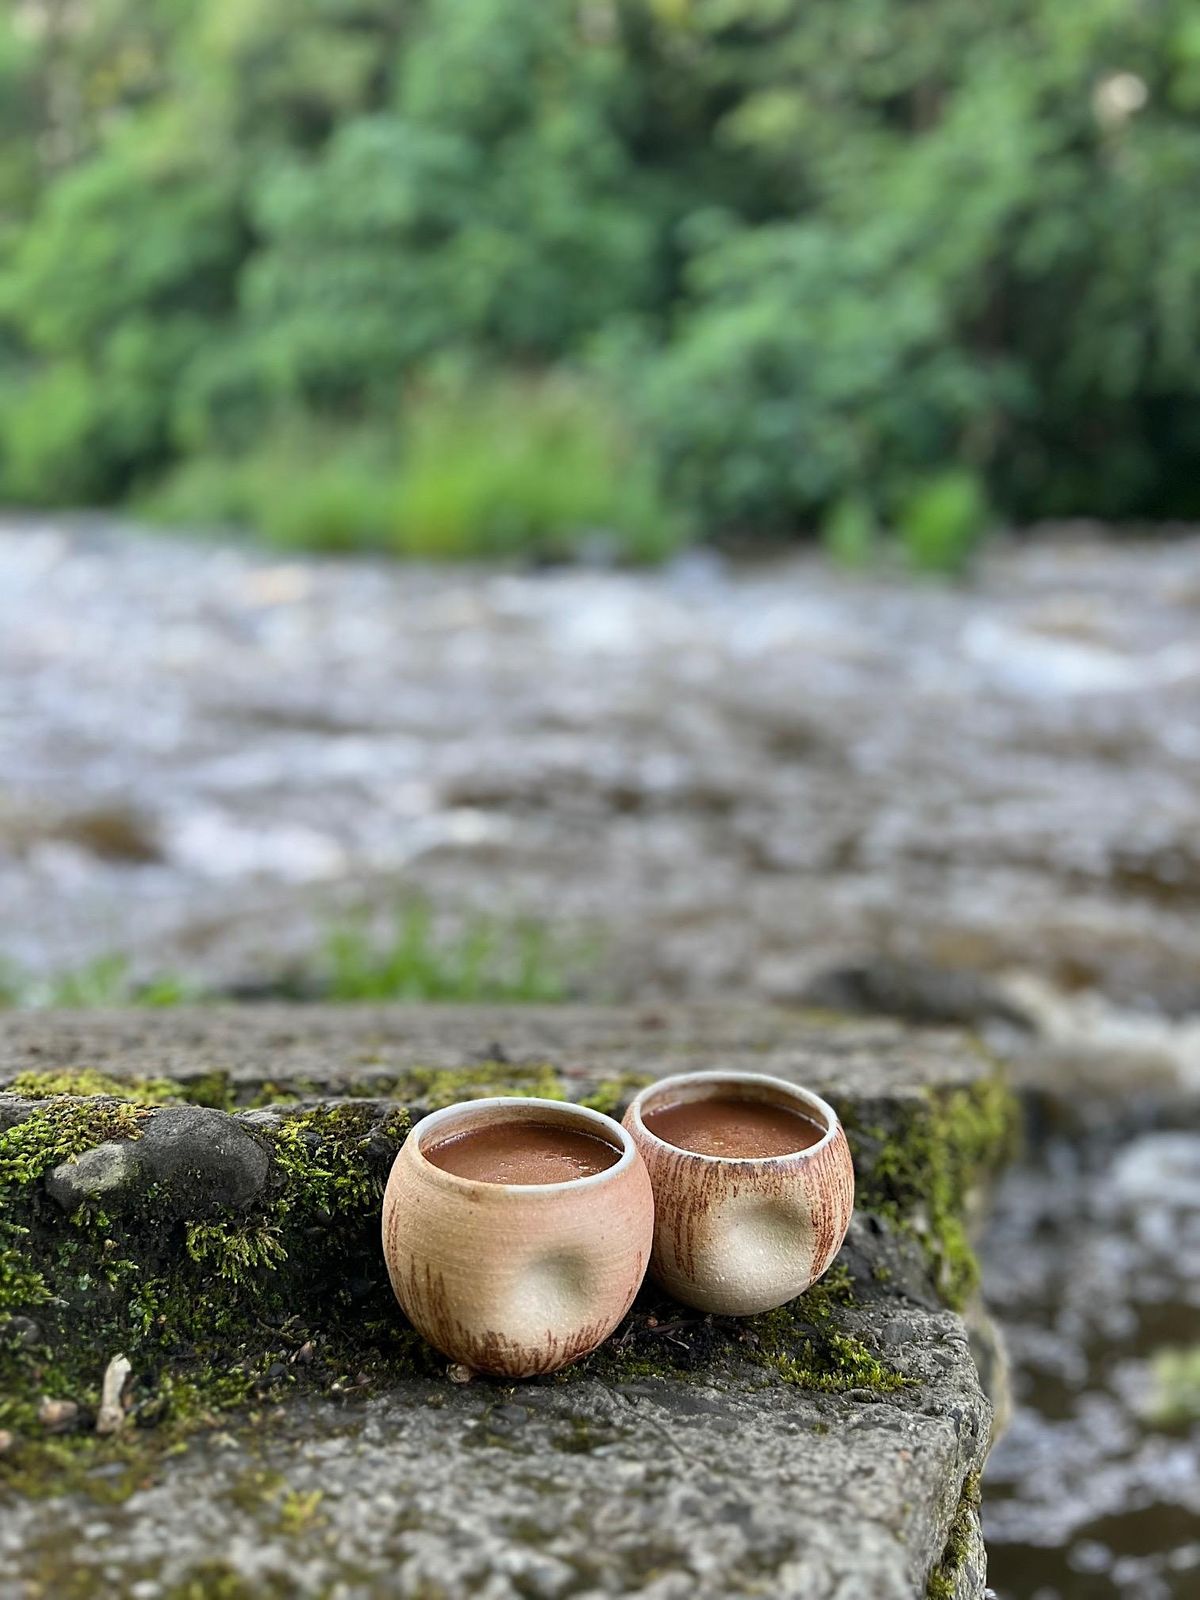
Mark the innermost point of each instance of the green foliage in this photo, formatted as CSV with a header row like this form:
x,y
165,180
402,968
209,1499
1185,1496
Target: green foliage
x,y
485,961
850,266
105,982
472,468
945,1581
500,470
941,522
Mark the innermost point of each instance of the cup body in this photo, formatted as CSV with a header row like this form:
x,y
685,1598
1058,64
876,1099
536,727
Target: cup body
x,y
516,1279
740,1235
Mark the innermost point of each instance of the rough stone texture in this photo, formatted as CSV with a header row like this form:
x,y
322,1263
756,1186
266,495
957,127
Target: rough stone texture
x,y
731,1485
328,1048
109,1173
723,1483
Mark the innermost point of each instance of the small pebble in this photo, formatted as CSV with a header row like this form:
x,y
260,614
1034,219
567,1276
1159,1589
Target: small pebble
x,y
305,1353
458,1373
57,1415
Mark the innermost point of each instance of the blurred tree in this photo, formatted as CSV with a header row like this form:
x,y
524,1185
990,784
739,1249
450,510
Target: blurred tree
x,y
804,255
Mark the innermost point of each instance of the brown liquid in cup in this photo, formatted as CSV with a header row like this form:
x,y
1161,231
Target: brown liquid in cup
x,y
725,1126
521,1152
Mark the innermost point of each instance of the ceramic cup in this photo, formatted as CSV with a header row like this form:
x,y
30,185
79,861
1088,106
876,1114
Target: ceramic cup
x,y
739,1235
516,1278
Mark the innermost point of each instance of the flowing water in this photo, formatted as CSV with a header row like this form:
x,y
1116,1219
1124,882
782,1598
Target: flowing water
x,y
1092,1265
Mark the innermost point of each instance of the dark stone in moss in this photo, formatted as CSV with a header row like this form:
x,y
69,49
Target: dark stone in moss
x,y
195,1161
201,1161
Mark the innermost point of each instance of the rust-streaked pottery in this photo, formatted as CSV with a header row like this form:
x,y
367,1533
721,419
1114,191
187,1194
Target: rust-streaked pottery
x,y
515,1279
739,1235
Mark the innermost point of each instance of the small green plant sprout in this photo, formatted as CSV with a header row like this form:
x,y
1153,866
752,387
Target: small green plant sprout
x,y
486,959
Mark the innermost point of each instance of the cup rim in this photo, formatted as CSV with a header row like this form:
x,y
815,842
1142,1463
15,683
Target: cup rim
x,y
611,1130
808,1097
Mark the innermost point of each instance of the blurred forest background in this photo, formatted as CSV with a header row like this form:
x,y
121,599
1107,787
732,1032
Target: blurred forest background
x,y
452,278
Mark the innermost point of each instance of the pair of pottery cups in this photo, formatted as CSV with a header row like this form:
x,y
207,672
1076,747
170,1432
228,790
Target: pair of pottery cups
x,y
521,1278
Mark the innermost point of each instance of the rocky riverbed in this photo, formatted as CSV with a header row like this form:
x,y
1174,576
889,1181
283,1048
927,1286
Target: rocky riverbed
x,y
750,779
975,803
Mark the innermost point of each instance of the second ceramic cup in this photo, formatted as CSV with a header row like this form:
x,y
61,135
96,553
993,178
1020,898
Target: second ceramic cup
x,y
517,1231
737,1233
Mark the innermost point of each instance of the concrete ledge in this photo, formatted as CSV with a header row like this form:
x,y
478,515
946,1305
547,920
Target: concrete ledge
x,y
231,1252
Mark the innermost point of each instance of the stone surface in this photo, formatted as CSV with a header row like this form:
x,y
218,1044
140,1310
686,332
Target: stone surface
x,y
200,1160
726,1479
726,1485
108,1173
325,1049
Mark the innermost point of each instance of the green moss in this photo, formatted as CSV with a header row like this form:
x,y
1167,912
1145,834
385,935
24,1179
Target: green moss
x,y
920,1171
211,1312
613,1095
88,1081
235,1250
944,1579
210,1089
808,1343
58,1131
837,1364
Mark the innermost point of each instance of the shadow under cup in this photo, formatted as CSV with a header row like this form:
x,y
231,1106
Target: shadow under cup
x,y
740,1234
508,1277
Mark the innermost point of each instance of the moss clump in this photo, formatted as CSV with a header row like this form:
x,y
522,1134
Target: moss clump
x,y
807,1343
920,1171
87,1081
58,1131
612,1095
803,1343
944,1579
211,1089
211,1312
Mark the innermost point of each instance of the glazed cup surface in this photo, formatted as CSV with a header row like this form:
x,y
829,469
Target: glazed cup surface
x,y
516,1279
737,1235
